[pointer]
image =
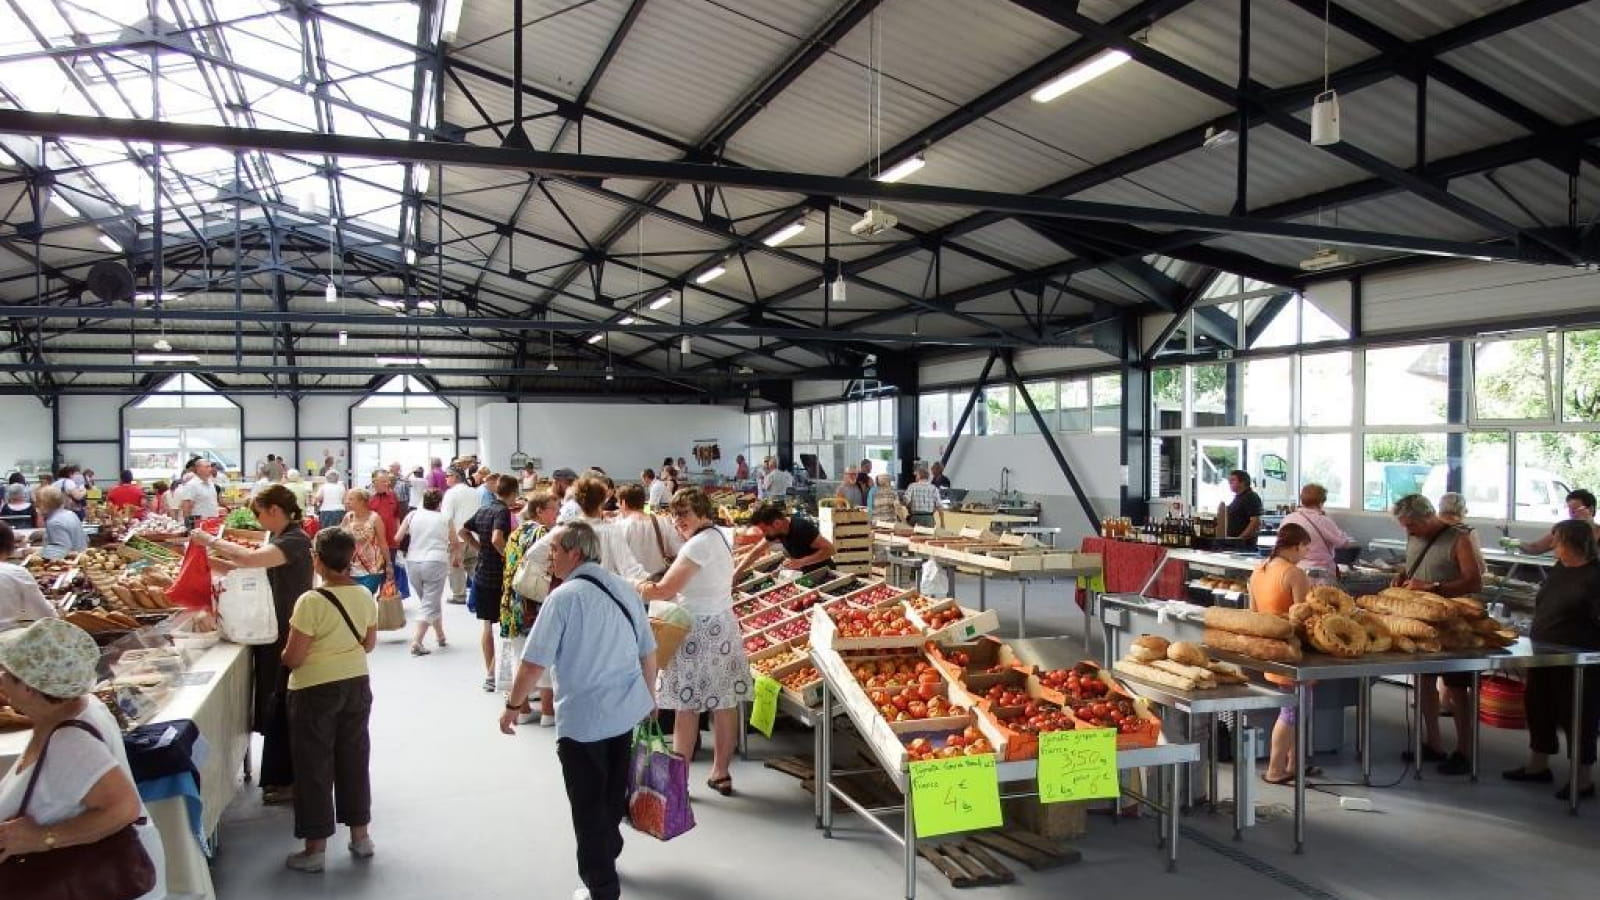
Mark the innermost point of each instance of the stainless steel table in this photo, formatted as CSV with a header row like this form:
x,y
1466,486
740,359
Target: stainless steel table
x,y
1513,561
1167,759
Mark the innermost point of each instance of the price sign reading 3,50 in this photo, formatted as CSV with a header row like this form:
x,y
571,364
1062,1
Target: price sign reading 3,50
x,y
1077,765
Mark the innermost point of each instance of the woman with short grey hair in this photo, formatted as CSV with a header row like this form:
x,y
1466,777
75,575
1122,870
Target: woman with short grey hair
x,y
63,530
19,511
1453,510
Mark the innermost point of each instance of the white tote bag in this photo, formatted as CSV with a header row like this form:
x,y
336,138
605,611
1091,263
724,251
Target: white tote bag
x,y
531,580
245,608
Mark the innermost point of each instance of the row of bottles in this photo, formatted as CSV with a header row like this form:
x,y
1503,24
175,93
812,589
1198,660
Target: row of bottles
x,y
1172,531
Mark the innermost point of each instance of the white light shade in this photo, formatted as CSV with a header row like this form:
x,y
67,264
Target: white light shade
x,y
597,338
60,202
110,243
330,293
411,257
786,232
627,320
609,375
686,346
552,367
165,358
902,168
1325,119
401,361
344,337
147,296
661,301
1080,75
838,290
451,21
710,275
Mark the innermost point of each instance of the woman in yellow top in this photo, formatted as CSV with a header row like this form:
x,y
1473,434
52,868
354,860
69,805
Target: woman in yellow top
x,y
330,634
1276,585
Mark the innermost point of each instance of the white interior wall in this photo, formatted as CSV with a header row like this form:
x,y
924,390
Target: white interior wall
x,y
1470,292
1095,460
623,439
27,432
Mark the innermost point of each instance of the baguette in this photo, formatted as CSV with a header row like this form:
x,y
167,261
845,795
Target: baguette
x,y
1411,628
1247,623
1187,654
1227,673
1153,675
1413,607
1269,649
1202,676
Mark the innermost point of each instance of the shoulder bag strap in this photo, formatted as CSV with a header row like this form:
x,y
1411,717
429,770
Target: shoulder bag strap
x,y
1317,529
329,596
719,534
601,585
38,764
1424,554
661,543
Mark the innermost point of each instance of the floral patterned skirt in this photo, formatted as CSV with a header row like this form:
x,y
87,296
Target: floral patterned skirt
x,y
710,670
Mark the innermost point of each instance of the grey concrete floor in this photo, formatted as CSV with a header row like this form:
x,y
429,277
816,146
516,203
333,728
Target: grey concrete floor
x,y
461,810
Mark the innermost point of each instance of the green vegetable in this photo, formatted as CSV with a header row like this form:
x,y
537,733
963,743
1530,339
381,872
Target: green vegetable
x,y
242,519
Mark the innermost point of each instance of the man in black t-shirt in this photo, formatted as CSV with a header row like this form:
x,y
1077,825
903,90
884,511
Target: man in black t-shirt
x,y
1245,509
487,531
800,538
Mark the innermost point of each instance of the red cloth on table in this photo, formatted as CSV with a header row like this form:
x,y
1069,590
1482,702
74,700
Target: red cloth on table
x,y
1128,565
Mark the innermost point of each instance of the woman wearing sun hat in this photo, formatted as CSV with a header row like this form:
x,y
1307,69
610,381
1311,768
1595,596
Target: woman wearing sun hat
x,y
84,791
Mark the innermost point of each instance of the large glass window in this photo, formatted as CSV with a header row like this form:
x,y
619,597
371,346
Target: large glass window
x,y
1325,460
1043,395
1549,465
996,410
1484,475
1512,379
1075,405
1212,387
1268,392
1272,321
1216,328
933,415
1407,385
1580,377
1106,392
1166,398
1166,478
1394,465
834,422
1327,389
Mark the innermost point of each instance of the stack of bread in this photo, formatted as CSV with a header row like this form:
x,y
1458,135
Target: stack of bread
x,y
1262,636
1329,620
1179,664
1423,622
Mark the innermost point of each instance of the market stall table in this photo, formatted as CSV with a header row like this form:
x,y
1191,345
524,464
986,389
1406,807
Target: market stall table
x,y
214,694
1539,563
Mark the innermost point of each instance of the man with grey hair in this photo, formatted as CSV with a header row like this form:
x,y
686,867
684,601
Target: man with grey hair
x,y
1439,559
922,499
595,630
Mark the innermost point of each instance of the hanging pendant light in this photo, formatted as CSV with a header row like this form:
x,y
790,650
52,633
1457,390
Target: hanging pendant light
x,y
344,337
686,346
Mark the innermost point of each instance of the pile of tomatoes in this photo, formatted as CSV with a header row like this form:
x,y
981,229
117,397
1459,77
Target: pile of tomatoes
x,y
801,679
959,658
756,642
942,618
889,672
1112,712
792,629
804,601
919,701
1038,717
776,661
763,619
1004,696
969,742
860,623
874,595
1081,682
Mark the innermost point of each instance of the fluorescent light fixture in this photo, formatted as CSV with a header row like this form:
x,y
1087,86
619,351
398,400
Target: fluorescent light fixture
x,y
1080,75
597,337
686,346
344,337
422,305
661,301
162,345
110,243
60,202
786,232
331,292
627,320
402,361
711,274
165,358
147,296
901,169
450,22
552,367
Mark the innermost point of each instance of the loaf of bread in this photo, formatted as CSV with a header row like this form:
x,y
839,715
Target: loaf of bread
x,y
1400,626
1153,675
1467,608
1414,606
1227,673
1263,648
1203,678
1148,648
1245,622
1187,654
1338,600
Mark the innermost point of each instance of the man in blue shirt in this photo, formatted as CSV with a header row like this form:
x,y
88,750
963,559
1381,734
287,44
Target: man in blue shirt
x,y
593,629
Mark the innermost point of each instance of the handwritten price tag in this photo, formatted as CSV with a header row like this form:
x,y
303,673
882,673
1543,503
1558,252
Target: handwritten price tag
x,y
957,794
764,710
1077,765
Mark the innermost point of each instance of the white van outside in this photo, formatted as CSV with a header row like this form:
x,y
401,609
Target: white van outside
x,y
1541,496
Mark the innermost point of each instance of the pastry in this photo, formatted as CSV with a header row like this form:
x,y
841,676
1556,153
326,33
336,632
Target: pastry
x,y
1338,600
1404,644
1412,607
1340,636
1187,654
1411,628
1467,608
1250,624
1379,637
1301,613
1269,649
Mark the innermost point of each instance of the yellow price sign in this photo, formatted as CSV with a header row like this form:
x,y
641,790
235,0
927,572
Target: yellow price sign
x,y
764,709
1078,765
957,794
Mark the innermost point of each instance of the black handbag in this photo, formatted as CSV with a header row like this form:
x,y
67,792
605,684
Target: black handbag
x,y
112,868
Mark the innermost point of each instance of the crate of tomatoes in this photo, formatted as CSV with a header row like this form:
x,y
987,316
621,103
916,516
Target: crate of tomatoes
x,y
1097,701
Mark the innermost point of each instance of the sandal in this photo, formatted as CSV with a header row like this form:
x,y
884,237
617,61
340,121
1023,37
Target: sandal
x,y
419,650
723,786
1285,781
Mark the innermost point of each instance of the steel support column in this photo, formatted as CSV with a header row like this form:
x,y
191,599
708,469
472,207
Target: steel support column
x,y
1055,449
966,411
1455,442
1135,450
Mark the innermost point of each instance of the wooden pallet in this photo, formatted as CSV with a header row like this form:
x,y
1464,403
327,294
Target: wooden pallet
x,y
1035,852
966,864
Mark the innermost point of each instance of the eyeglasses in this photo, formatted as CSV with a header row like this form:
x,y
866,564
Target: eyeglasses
x,y
680,513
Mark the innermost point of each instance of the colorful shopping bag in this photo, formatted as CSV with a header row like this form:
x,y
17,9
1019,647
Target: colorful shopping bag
x,y
658,786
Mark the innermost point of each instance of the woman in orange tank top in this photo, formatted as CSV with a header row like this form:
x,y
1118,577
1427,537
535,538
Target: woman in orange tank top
x,y
1276,585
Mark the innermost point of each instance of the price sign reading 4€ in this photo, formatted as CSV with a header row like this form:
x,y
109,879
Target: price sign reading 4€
x,y
1077,765
764,709
957,794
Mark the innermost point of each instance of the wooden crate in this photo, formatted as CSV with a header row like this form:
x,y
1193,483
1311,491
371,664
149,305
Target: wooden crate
x,y
1060,821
